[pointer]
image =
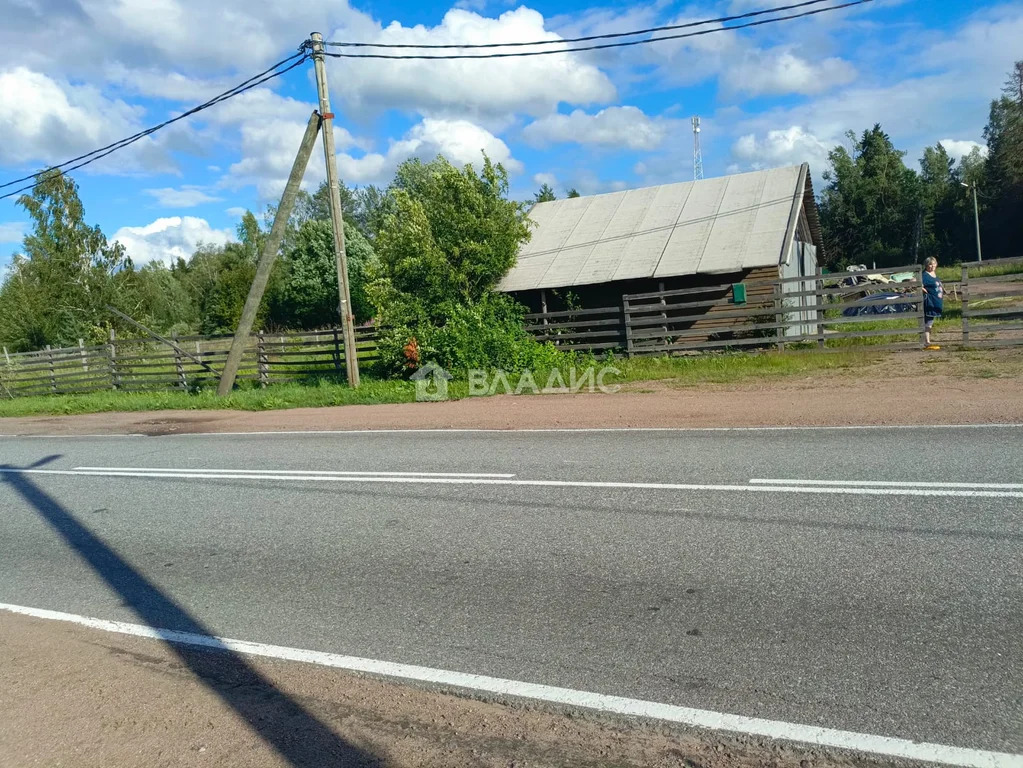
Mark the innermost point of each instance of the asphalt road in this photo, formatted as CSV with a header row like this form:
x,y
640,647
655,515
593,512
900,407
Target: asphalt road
x,y
862,606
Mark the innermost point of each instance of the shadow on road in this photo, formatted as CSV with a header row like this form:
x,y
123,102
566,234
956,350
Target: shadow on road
x,y
283,723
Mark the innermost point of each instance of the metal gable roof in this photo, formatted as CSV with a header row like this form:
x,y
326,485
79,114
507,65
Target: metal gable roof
x,y
716,225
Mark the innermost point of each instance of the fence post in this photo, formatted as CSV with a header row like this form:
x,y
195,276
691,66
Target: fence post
x,y
664,315
85,358
115,379
262,361
918,278
779,316
53,377
965,285
627,315
179,364
819,300
7,356
337,353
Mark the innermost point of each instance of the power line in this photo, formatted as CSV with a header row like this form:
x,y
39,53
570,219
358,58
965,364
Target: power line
x,y
650,30
602,46
266,75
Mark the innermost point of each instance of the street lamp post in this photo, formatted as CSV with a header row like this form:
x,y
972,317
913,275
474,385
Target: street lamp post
x,y
976,215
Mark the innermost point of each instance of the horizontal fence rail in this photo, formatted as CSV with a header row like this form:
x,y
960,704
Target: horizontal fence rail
x,y
589,330
139,365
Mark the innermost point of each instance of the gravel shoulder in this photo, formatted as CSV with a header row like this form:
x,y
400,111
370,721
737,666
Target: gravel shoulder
x,y
82,697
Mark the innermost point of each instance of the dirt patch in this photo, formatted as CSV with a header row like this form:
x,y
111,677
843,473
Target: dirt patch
x,y
75,696
908,388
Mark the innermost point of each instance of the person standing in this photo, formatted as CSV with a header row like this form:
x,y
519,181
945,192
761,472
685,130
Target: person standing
x,y
934,294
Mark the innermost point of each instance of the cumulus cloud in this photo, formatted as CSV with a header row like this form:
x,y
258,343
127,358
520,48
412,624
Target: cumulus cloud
x,y
962,71
45,121
959,149
187,196
168,239
780,71
485,90
268,148
790,146
622,127
460,141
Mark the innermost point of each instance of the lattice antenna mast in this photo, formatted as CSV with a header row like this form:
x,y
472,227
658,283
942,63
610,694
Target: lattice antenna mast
x,y
697,154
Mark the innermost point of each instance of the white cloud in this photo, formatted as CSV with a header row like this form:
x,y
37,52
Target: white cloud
x,y
621,127
959,149
160,34
963,71
12,231
168,239
485,90
545,178
780,71
236,211
187,196
45,121
790,146
460,141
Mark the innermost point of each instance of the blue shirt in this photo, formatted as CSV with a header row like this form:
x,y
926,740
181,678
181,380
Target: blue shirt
x,y
933,296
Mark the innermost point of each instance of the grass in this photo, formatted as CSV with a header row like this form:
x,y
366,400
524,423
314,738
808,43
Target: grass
x,y
954,273
721,368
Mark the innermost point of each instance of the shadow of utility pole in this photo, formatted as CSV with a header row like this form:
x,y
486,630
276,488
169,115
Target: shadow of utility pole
x,y
284,724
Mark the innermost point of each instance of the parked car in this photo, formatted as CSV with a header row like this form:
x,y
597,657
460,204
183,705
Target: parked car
x,y
879,309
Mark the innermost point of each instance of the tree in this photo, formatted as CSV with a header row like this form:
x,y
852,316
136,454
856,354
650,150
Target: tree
x,y
56,291
545,194
1002,178
869,208
573,192
305,292
450,235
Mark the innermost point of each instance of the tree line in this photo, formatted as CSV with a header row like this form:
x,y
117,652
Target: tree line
x,y
876,210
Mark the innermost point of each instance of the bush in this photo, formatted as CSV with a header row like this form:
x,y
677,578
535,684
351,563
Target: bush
x,y
485,334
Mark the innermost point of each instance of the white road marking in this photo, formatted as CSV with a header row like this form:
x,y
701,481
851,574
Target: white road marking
x,y
456,430
891,484
212,474
699,718
297,472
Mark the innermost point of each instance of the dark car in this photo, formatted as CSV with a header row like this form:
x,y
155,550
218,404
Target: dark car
x,y
879,309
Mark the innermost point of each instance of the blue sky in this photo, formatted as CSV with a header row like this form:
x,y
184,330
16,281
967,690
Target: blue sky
x,y
773,95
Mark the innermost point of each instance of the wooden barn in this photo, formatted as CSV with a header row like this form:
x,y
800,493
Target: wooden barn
x,y
615,263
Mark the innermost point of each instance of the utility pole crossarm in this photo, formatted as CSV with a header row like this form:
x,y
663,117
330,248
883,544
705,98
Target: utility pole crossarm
x,y
336,213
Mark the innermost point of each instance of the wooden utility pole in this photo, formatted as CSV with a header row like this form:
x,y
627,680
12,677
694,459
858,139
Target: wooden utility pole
x,y
267,257
336,216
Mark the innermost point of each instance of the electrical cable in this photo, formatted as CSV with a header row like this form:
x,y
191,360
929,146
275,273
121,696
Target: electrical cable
x,y
586,39
297,59
594,47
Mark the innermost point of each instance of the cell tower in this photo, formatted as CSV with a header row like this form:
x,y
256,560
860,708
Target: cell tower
x,y
697,154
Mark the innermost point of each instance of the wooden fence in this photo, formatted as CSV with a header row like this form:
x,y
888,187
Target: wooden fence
x,y
822,311
992,304
585,329
134,365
